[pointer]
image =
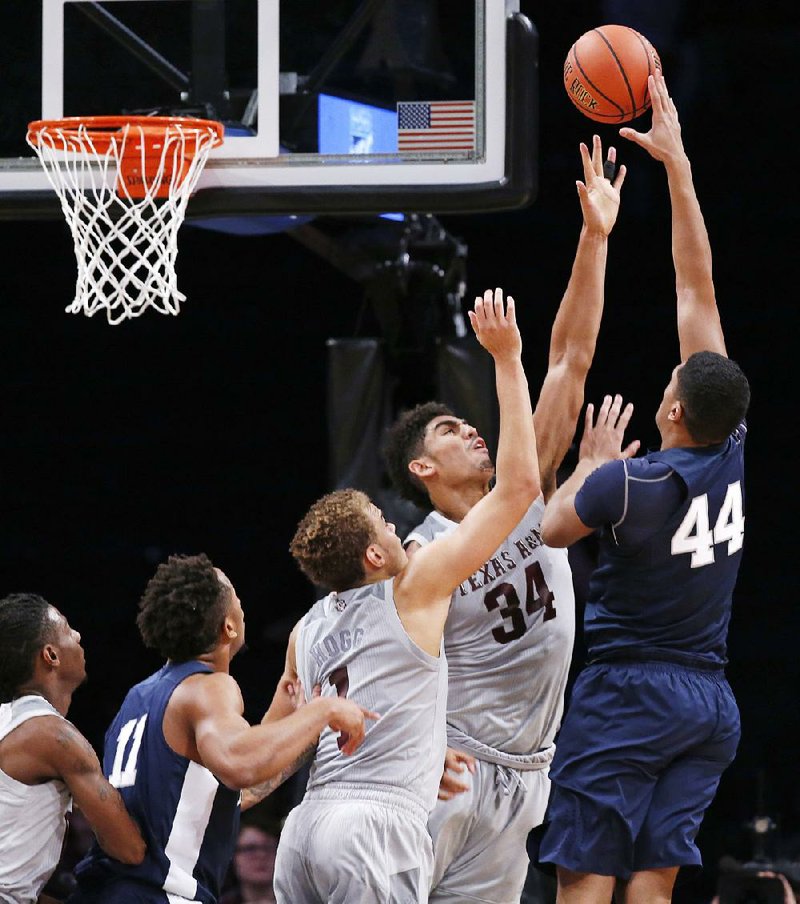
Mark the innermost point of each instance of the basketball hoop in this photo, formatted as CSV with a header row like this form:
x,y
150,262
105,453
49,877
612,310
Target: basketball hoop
x,y
124,183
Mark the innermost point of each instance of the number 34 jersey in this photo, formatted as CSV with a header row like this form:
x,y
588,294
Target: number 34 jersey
x,y
508,640
353,644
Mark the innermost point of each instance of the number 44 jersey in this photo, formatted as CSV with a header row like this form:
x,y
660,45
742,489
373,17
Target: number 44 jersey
x,y
508,641
672,530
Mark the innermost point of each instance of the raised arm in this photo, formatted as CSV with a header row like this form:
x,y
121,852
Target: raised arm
x,y
574,334
243,755
699,327
601,443
438,568
72,758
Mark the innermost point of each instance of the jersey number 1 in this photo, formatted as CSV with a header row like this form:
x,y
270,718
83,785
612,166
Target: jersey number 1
x,y
123,774
339,679
695,535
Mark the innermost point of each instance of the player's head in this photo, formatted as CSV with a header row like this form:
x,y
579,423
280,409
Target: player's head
x,y
343,540
36,643
189,608
429,441
708,394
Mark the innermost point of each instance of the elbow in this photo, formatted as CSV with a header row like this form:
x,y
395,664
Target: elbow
x,y
529,488
550,536
553,533
239,773
131,852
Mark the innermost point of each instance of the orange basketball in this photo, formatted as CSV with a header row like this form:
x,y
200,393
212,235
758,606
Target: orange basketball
x,y
605,73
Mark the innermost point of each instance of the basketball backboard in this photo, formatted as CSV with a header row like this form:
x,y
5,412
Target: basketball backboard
x,y
345,106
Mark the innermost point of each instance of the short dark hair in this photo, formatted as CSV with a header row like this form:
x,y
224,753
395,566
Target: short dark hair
x,y
715,395
182,608
404,442
331,539
24,629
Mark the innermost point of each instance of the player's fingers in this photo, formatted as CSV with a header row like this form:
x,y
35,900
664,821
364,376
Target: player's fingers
x,y
466,759
614,411
588,418
511,311
586,161
317,690
368,714
654,92
639,138
602,414
597,155
498,304
610,164
624,416
452,785
623,171
631,449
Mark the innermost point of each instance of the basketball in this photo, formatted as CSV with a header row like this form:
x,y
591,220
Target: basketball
x,y
606,70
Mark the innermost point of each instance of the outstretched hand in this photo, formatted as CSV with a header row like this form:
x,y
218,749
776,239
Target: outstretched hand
x,y
663,141
495,325
602,439
599,196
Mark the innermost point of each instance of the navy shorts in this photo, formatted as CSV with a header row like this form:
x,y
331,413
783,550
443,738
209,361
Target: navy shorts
x,y
638,761
120,891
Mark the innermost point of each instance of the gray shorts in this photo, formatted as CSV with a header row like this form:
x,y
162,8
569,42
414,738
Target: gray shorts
x,y
479,836
353,852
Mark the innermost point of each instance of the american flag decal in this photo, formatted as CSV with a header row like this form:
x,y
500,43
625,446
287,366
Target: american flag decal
x,y
436,125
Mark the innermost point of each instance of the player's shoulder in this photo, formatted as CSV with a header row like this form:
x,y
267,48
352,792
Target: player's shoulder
x,y
434,525
651,467
202,692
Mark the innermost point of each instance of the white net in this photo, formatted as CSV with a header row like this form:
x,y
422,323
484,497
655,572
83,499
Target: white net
x,y
125,245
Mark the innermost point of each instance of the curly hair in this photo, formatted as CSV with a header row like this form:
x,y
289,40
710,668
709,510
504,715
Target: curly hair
x,y
182,608
715,396
405,441
25,627
331,539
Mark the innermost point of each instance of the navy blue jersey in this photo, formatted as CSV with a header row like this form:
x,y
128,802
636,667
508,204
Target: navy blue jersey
x,y
188,818
672,526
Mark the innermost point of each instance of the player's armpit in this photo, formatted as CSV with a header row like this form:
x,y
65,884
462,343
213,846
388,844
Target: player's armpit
x,y
74,759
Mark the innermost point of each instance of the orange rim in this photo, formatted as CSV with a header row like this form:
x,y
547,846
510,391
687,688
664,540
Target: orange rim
x,y
103,129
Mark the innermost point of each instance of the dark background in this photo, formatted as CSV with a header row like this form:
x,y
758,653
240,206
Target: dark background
x,y
207,432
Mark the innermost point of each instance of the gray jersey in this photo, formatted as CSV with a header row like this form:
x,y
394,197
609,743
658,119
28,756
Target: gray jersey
x,y
354,644
32,817
508,641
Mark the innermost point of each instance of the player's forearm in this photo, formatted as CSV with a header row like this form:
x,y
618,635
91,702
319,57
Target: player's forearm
x,y
561,525
254,795
699,326
263,751
517,460
577,322
691,249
